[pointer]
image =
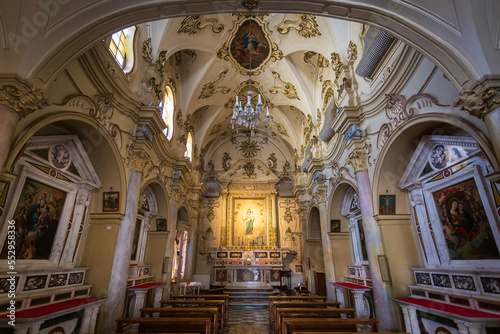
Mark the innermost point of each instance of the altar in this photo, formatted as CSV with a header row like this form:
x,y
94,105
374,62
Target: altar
x,y
247,268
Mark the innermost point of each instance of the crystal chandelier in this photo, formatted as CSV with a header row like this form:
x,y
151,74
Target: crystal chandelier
x,y
247,116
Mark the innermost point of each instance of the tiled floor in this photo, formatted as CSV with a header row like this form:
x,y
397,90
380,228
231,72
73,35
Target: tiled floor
x,y
247,321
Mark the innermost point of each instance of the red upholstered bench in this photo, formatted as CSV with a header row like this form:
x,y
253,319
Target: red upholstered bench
x,y
51,309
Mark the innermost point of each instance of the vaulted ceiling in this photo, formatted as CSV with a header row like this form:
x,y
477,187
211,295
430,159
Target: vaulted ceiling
x,y
294,66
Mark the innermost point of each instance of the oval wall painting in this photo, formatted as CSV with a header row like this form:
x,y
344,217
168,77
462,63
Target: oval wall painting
x,y
250,46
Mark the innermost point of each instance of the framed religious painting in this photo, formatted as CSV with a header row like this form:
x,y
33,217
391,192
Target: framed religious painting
x,y
465,224
249,221
387,204
161,224
110,201
37,215
335,225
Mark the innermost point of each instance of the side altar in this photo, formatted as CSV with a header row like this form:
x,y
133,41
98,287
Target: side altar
x,y
247,267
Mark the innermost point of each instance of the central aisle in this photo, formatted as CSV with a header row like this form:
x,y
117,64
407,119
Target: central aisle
x,y
247,321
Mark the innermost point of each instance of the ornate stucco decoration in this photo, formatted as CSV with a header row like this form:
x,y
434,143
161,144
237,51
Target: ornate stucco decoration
x,y
480,103
327,92
161,62
321,62
250,35
210,88
249,148
398,112
195,23
308,129
242,92
155,88
23,102
287,89
305,25
147,49
272,162
136,159
249,168
357,159
352,51
226,161
278,127
336,64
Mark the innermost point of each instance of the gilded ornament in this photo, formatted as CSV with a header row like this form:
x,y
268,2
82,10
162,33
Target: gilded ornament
x,y
242,90
249,168
286,166
308,57
288,89
272,162
249,148
336,64
137,160
323,62
161,62
23,102
211,88
357,159
280,128
195,23
352,51
479,104
305,25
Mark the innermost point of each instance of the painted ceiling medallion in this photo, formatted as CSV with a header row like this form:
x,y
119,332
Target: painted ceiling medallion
x,y
249,47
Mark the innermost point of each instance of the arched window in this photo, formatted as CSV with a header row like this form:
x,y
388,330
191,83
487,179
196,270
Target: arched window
x,y
189,147
121,47
168,112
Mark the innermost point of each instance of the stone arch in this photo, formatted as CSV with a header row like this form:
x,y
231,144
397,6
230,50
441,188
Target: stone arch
x,y
410,25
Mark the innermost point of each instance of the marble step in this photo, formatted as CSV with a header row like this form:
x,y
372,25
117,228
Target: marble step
x,y
255,305
261,291
248,298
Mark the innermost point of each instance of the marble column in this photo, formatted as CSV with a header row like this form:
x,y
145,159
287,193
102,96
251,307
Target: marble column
x,y
223,229
140,296
412,314
354,238
361,304
121,262
190,253
406,318
87,317
35,327
93,318
82,202
384,306
21,328
465,327
8,123
158,296
327,247
170,247
462,327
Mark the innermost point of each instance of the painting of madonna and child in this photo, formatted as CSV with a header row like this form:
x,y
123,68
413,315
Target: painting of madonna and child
x,y
37,217
465,224
249,222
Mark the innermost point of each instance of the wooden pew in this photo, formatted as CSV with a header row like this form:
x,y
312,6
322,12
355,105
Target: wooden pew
x,y
293,325
295,312
220,303
167,325
275,304
203,297
184,312
291,298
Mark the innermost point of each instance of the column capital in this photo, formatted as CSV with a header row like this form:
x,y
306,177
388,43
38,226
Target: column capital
x,y
479,102
23,102
357,159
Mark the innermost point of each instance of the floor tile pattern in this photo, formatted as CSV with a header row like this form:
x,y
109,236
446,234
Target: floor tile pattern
x,y
247,321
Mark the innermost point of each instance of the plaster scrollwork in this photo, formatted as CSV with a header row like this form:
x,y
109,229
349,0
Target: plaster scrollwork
x,y
288,89
193,24
398,110
210,88
336,64
305,25
226,161
272,162
479,103
24,102
416,199
357,159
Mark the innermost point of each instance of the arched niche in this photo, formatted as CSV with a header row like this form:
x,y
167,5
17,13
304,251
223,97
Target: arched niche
x,y
352,211
181,243
455,209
